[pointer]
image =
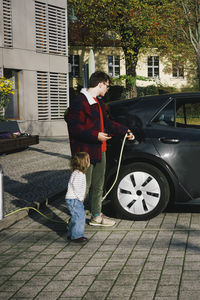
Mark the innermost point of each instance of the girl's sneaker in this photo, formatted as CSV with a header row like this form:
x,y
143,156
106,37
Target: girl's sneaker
x,y
79,240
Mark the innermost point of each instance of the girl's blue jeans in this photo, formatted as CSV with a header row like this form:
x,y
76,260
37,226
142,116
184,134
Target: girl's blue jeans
x,y
77,222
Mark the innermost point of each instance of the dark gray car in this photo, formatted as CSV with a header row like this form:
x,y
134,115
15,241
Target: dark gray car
x,y
163,164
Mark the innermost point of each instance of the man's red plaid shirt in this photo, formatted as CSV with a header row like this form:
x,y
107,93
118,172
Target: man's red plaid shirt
x,y
83,122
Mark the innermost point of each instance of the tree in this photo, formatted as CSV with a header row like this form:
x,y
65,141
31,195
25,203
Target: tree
x,y
130,20
177,32
190,29
171,26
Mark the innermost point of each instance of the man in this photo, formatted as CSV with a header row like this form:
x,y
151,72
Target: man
x,y
89,129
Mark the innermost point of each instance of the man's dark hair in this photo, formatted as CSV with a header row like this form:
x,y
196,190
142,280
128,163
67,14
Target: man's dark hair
x,y
98,77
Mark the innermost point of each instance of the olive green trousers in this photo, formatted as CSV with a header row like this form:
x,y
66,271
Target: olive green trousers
x,y
95,182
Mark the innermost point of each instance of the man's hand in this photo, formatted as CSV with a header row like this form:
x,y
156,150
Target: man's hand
x,y
130,135
103,137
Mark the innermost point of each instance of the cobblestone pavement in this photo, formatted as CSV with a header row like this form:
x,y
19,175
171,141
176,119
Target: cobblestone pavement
x,y
156,259
32,175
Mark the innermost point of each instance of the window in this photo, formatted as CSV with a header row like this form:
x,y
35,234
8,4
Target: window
x,y
12,110
43,96
74,65
188,114
177,71
58,95
167,116
185,114
114,66
7,23
50,28
52,95
57,30
41,26
153,66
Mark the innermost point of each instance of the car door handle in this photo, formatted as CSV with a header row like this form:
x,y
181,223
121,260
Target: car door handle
x,y
169,141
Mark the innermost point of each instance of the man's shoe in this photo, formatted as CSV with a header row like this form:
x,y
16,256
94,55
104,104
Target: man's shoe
x,y
79,240
102,220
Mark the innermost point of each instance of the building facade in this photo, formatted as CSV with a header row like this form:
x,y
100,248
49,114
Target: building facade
x,y
34,54
107,59
160,72
156,70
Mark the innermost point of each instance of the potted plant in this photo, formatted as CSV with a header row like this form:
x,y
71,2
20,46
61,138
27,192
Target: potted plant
x,y
6,89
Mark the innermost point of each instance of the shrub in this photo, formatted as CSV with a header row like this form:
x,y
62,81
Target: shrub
x,y
6,89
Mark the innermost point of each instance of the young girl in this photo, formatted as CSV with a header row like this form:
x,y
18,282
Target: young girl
x,y
75,196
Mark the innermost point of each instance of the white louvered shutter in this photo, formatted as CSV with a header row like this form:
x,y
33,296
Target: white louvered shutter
x,y
7,23
57,30
52,95
41,26
43,96
58,95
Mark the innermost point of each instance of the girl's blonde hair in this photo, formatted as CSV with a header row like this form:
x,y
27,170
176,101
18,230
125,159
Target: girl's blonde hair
x,y
80,161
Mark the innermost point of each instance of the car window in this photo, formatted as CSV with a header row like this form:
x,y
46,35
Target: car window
x,y
166,116
188,115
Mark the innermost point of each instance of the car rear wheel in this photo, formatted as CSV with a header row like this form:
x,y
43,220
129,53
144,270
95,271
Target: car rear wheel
x,y
141,192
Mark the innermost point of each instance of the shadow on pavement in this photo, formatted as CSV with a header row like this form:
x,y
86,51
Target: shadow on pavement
x,y
36,186
182,208
50,153
171,208
56,224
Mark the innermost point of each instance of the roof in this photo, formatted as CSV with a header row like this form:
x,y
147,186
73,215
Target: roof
x,y
144,107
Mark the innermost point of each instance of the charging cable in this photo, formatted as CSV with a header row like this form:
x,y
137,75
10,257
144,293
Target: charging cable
x,y
119,165
39,212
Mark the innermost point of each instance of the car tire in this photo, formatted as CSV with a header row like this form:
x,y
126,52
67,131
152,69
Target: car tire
x,y
141,192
